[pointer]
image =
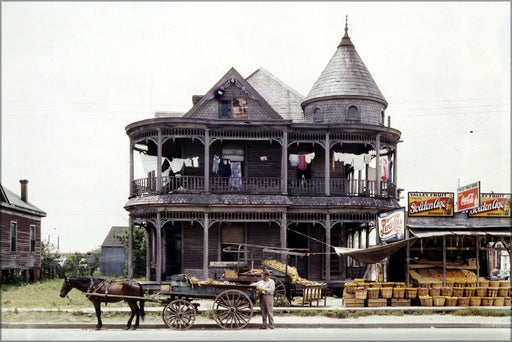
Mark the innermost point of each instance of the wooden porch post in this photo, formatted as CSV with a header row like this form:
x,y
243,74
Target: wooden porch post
x,y
207,160
206,223
130,248
284,164
377,165
148,254
395,172
444,260
132,175
327,248
327,163
478,261
159,162
158,248
284,257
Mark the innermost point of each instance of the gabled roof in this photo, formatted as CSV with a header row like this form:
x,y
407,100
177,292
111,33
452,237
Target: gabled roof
x,y
12,201
285,100
232,76
110,240
345,76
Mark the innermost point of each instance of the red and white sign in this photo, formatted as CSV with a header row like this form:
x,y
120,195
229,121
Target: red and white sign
x,y
391,225
468,197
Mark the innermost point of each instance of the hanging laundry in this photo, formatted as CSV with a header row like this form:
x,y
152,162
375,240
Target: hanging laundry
x,y
302,162
263,158
188,162
294,159
177,164
384,168
195,161
346,158
367,158
235,180
372,173
224,167
309,157
149,163
215,164
358,162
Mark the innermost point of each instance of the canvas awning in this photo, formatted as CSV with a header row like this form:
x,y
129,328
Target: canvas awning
x,y
374,254
423,232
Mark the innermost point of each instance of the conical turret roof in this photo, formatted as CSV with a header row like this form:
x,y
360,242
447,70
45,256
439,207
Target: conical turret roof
x,y
345,76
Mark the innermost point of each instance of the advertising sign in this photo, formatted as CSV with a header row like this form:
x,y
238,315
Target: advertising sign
x,y
492,205
391,225
430,204
468,197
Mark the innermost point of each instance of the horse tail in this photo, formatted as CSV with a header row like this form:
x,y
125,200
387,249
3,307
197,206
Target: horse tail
x,y
141,302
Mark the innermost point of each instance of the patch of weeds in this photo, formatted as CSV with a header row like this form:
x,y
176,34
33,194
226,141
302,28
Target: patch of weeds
x,y
336,313
482,312
422,312
281,302
306,313
206,314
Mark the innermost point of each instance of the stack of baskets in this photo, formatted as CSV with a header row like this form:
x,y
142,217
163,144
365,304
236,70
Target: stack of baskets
x,y
425,300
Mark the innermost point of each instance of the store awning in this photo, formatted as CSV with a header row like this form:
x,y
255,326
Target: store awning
x,y
374,254
423,232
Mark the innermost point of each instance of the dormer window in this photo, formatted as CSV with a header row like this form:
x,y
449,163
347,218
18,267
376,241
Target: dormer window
x,y
318,115
353,113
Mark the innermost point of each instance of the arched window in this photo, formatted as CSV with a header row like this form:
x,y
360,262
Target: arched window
x,y
382,114
353,113
318,115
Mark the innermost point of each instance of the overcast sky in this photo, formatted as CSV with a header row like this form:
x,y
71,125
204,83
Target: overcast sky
x,y
74,75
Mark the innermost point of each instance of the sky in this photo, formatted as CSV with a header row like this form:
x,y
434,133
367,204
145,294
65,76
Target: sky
x,y
74,75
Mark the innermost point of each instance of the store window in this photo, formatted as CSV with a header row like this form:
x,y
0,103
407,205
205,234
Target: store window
x,y
14,229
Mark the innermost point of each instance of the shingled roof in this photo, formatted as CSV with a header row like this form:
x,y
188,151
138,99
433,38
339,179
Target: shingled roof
x,y
345,76
110,240
285,100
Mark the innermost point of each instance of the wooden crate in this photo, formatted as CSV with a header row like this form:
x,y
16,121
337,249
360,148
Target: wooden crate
x,y
400,302
353,303
376,302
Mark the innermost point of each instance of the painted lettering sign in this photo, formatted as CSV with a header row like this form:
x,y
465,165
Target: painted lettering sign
x,y
391,225
468,197
492,205
430,204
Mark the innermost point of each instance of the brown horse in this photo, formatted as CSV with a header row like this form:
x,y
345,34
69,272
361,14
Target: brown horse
x,y
115,291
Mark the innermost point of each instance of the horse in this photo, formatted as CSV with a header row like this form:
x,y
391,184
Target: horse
x,y
101,286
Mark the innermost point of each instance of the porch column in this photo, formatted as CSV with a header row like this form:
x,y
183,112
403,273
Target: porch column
x,y
395,173
159,162
158,248
284,257
284,164
207,160
327,168
328,248
377,165
478,261
343,258
130,248
444,260
148,254
132,175
206,223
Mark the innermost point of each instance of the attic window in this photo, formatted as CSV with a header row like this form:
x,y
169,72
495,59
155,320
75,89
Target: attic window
x,y
238,108
353,113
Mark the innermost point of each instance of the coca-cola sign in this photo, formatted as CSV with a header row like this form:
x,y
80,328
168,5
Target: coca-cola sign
x,y
391,225
430,204
468,197
492,205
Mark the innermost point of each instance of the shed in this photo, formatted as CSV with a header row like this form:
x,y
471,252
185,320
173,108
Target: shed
x,y
113,253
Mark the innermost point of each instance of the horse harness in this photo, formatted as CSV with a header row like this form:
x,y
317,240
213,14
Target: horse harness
x,y
93,289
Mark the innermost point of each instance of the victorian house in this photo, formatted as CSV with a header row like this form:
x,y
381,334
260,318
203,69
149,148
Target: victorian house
x,y
255,162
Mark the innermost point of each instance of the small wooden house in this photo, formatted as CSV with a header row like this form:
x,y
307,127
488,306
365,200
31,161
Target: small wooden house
x,y
113,253
20,234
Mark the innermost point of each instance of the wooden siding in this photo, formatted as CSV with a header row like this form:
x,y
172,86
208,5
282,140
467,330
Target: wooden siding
x,y
23,258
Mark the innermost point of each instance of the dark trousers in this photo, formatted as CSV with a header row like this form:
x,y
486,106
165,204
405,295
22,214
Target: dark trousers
x,y
267,310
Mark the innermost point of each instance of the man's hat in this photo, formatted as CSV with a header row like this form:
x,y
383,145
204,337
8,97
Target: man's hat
x,y
266,272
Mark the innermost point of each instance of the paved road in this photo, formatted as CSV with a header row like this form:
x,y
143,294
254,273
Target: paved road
x,y
294,334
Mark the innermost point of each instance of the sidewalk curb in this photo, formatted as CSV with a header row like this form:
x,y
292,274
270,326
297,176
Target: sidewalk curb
x,y
92,326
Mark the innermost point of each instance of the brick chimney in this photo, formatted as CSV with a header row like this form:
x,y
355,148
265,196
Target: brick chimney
x,y
24,192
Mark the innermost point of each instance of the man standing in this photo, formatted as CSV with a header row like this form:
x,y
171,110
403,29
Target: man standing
x,y
265,288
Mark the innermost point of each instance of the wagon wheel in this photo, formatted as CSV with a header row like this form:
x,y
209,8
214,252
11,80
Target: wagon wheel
x,y
280,290
179,314
232,309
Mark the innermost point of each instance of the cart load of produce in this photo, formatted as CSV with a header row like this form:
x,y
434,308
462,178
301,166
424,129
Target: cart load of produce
x,y
292,272
211,281
436,275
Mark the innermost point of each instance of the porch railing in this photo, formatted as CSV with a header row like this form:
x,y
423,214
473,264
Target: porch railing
x,y
262,185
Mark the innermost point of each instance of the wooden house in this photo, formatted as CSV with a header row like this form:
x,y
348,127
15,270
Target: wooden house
x,y
253,161
113,253
20,234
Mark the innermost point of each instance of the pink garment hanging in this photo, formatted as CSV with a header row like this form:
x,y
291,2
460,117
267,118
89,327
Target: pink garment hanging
x,y
302,162
384,170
